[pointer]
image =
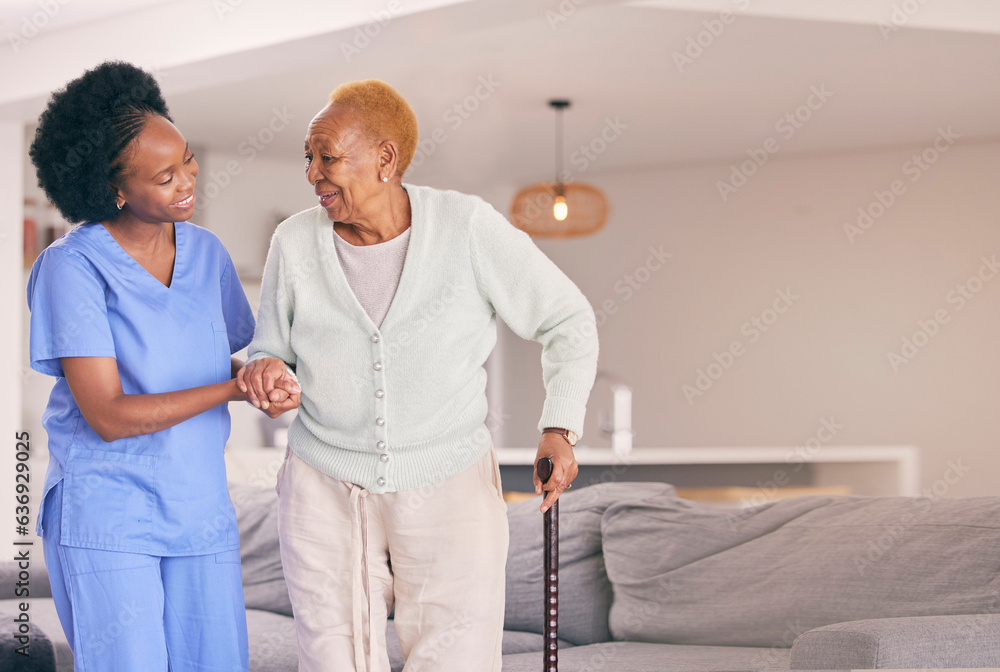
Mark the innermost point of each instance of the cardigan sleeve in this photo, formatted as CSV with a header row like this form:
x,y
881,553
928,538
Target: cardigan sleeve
x,y
540,303
272,338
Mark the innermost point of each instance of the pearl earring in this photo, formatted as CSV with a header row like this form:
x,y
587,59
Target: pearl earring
x,y
385,179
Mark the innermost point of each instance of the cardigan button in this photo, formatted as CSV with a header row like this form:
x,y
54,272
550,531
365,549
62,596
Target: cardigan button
x,y
380,481
379,393
379,421
380,445
374,338
378,366
383,457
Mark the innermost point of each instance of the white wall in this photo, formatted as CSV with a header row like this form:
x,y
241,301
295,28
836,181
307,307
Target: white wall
x,y
11,298
826,356
243,196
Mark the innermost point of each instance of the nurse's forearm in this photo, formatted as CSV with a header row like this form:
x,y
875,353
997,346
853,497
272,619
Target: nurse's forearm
x,y
137,414
112,414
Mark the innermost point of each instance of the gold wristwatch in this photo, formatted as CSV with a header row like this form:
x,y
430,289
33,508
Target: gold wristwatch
x,y
567,434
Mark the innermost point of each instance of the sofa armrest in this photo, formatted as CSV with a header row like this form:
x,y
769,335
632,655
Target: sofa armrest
x,y
23,645
964,640
38,579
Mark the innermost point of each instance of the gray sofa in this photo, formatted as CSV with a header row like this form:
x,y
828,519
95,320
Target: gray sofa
x,y
652,582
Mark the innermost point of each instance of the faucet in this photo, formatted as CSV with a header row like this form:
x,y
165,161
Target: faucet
x,y
619,425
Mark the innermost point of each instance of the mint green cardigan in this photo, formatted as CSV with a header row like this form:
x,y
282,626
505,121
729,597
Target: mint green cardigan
x,y
404,405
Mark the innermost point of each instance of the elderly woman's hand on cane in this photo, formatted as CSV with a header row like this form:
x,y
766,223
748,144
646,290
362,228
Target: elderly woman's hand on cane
x,y
564,467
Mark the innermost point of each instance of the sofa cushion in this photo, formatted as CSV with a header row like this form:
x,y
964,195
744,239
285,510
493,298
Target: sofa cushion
x,y
526,642
257,518
513,642
642,657
44,619
38,653
690,573
957,641
584,591
272,642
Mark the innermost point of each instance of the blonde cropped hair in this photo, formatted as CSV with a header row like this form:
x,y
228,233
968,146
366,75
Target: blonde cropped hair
x,y
384,114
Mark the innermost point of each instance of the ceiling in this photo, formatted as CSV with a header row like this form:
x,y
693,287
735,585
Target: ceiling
x,y
63,14
618,62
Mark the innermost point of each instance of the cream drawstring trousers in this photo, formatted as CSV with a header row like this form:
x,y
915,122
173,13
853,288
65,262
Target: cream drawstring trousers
x,y
437,552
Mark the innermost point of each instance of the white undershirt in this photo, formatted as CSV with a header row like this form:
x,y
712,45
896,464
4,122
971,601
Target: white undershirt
x,y
373,271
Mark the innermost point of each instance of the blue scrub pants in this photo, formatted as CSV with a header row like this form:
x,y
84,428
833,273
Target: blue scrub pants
x,y
128,612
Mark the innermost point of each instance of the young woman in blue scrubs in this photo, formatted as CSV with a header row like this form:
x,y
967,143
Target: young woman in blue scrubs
x,y
136,312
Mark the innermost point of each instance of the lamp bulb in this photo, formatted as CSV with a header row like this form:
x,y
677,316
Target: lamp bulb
x,y
560,209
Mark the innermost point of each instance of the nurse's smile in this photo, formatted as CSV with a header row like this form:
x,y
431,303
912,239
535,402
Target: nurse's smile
x,y
186,204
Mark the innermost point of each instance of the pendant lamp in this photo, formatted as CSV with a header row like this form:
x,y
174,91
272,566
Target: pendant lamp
x,y
563,208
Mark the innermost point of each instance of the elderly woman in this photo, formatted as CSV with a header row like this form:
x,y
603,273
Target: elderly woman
x,y
383,299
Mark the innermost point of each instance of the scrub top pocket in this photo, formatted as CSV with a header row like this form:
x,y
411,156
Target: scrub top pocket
x,y
227,558
108,500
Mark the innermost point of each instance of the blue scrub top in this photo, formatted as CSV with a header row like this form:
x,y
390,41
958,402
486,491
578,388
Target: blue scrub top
x,y
162,493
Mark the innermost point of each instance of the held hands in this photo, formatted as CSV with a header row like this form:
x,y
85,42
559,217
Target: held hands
x,y
268,386
564,467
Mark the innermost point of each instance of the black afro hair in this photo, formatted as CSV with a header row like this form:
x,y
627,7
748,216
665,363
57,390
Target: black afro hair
x,y
83,133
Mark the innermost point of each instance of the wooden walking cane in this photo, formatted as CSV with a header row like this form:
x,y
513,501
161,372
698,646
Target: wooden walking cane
x,y
551,626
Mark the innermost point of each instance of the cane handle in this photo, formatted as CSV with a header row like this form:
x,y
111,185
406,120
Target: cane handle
x,y
544,470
